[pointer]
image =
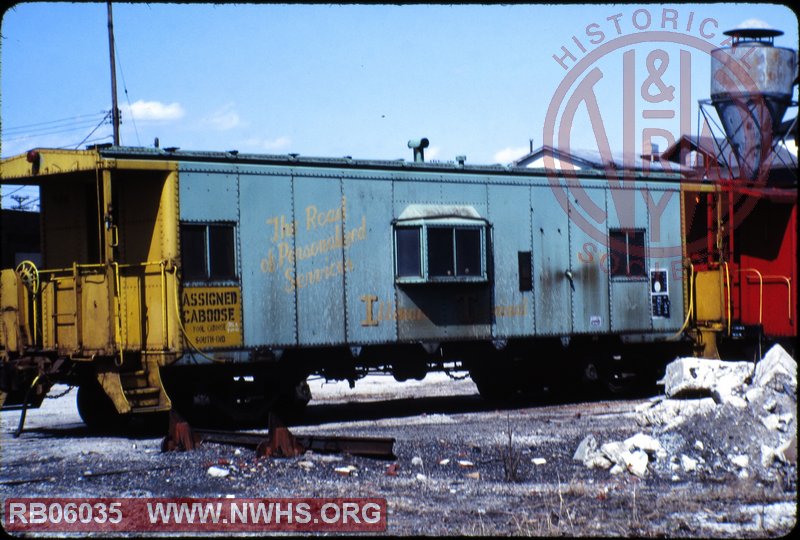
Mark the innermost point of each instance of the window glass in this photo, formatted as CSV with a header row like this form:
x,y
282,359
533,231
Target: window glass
x,y
626,248
409,263
468,252
636,266
440,251
222,253
193,251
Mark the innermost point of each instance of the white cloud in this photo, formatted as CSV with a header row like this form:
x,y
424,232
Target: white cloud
x,y
225,118
754,23
270,145
153,110
507,155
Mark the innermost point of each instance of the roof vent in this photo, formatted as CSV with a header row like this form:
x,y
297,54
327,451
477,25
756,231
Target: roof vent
x,y
418,145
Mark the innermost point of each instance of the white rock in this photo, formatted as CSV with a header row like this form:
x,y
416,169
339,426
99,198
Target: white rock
x,y
347,470
598,460
688,463
421,477
771,422
465,464
741,461
416,461
671,413
616,469
538,461
444,461
640,441
218,472
586,448
699,445
768,456
776,368
305,465
636,463
787,451
676,478
615,451
687,377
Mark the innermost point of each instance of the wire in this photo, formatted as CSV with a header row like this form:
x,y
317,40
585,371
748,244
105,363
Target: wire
x,y
127,97
28,127
103,121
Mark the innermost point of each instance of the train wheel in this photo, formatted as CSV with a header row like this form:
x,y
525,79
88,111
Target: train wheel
x,y
97,410
291,404
491,385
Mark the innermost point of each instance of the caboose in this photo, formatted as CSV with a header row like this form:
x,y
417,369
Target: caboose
x,y
229,278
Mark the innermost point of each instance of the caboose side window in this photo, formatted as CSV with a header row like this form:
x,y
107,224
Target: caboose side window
x,y
409,261
626,249
454,251
208,252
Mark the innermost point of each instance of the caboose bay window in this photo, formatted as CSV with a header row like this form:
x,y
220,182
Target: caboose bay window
x,y
208,252
441,249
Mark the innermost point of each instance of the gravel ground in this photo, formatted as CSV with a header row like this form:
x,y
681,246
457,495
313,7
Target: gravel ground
x,y
463,467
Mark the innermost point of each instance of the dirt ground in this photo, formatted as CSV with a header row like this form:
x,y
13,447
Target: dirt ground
x,y
463,467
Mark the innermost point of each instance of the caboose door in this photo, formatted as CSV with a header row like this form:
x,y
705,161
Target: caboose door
x,y
551,264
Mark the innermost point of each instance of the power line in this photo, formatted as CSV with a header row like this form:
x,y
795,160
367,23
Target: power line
x,y
35,126
103,121
127,97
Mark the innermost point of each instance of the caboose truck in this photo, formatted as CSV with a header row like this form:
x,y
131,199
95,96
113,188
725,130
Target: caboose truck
x,y
229,278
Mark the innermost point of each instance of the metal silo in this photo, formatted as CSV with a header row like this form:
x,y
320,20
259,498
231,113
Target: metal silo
x,y
751,88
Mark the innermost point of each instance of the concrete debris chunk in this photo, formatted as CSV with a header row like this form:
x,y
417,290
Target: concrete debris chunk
x,y
778,422
643,442
698,445
672,413
777,371
586,448
538,461
688,464
598,460
218,472
741,461
636,463
347,470
616,452
696,377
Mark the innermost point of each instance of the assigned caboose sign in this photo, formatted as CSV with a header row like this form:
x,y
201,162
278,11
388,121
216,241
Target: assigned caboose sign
x,y
212,316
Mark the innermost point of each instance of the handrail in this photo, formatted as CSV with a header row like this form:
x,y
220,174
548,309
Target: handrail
x,y
691,304
788,281
728,289
760,291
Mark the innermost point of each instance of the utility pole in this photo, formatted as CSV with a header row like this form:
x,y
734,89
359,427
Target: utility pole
x,y
115,108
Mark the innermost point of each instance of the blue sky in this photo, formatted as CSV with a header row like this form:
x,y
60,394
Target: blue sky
x,y
335,80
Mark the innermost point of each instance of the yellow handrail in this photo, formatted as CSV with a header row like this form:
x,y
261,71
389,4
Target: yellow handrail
x,y
788,281
728,290
691,305
760,290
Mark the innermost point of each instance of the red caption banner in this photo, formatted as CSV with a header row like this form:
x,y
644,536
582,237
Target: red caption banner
x,y
194,515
